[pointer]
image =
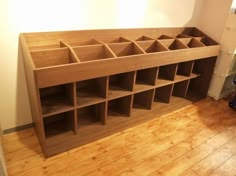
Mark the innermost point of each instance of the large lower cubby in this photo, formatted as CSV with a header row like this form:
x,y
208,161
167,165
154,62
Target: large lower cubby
x,y
120,107
86,85
166,75
145,79
143,100
91,91
120,84
59,124
163,94
56,99
90,115
180,88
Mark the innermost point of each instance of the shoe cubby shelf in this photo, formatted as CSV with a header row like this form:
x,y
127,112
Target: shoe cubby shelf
x,y
85,85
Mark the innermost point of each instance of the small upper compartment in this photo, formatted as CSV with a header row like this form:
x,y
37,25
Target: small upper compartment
x,y
52,57
89,53
152,46
193,32
174,44
125,49
191,42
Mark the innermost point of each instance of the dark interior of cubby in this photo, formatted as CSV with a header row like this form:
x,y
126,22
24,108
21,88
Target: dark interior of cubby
x,y
152,46
144,38
208,41
59,124
167,72
89,53
163,94
52,57
143,100
91,91
185,68
120,82
125,49
194,32
56,98
120,107
91,114
180,88
146,76
203,67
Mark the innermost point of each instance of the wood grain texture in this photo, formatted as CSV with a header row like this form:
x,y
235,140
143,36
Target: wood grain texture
x,y
197,140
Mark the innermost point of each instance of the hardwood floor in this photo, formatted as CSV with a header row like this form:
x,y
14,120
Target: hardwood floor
x,y
197,140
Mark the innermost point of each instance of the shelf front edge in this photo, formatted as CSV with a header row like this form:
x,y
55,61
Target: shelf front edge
x,y
46,77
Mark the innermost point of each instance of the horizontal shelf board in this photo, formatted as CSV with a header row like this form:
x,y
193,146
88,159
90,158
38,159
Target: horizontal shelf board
x,y
88,98
59,111
193,75
179,78
139,87
163,82
117,92
55,104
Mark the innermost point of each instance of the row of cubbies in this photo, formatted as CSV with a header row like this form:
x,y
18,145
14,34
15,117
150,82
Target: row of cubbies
x,y
69,53
69,107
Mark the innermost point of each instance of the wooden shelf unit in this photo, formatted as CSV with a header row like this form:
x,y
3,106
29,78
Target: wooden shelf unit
x,y
85,85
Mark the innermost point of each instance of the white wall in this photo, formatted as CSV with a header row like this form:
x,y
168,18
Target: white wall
x,y
27,15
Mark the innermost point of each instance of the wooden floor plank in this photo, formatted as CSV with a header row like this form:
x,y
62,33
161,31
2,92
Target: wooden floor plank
x,y
193,141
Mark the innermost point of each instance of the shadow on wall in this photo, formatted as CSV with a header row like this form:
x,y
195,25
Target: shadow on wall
x,y
23,112
196,14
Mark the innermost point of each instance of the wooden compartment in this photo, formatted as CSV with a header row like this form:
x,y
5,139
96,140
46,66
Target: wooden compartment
x,y
193,32
90,115
163,94
52,57
143,100
58,124
120,107
176,45
91,91
57,99
180,88
208,41
166,75
121,84
185,68
145,79
152,46
90,53
125,49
